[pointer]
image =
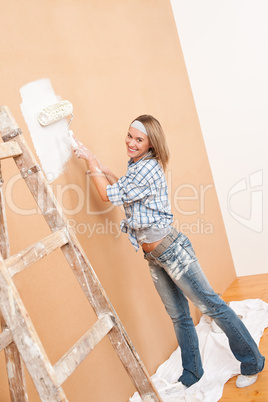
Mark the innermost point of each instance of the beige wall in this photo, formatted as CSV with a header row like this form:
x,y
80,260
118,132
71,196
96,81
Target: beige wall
x,y
113,60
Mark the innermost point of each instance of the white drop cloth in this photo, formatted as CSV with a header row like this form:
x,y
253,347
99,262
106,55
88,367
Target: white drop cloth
x,y
218,361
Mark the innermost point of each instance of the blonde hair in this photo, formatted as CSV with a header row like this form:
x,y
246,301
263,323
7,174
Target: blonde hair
x,y
159,147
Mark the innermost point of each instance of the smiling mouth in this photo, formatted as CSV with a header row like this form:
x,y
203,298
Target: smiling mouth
x,y
131,150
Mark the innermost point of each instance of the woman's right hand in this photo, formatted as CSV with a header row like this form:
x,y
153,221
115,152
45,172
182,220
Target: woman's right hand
x,y
82,152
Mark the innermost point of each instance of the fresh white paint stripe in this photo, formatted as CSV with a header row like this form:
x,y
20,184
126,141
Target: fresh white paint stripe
x,y
52,143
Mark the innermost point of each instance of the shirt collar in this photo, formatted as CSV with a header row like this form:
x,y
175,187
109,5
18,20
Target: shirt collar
x,y
132,163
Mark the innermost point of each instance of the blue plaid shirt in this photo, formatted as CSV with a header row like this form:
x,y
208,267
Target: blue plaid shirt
x,y
143,193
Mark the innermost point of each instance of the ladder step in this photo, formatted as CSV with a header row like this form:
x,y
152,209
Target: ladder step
x,y
35,252
10,149
69,362
5,339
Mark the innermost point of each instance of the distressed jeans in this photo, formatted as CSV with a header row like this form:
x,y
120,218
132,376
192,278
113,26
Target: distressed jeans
x,y
177,276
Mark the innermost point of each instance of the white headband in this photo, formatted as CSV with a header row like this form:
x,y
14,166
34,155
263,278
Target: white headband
x,y
138,124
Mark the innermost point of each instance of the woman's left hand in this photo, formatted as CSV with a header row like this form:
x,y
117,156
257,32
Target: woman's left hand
x,y
82,152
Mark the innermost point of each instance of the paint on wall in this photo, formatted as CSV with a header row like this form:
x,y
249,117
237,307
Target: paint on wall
x,y
52,143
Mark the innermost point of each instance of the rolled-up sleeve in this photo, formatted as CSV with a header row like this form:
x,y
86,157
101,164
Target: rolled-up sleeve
x,y
114,193
127,190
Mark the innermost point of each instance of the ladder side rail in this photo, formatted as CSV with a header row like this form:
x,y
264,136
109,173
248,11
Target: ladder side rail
x,y
4,239
5,339
15,369
27,340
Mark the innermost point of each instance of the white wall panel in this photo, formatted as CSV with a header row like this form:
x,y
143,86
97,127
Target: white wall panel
x,y
225,46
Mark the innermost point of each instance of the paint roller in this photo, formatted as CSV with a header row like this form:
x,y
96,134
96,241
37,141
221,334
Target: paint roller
x,y
56,112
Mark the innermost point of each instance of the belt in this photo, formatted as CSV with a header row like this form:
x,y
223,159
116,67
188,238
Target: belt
x,y
165,243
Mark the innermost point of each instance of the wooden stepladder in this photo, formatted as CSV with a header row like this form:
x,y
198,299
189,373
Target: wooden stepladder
x,y
19,338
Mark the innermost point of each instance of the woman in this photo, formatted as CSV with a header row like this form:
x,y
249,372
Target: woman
x,y
174,268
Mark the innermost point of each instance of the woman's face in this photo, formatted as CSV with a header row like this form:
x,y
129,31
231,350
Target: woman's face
x,y
137,143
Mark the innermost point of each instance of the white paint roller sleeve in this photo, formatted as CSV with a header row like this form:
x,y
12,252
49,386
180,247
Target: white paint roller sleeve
x,y
55,112
52,143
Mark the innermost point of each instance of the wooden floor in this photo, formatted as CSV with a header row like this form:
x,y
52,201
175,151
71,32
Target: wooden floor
x,y
249,287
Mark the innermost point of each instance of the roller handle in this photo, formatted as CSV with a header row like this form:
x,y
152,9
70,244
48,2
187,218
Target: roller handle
x,y
73,142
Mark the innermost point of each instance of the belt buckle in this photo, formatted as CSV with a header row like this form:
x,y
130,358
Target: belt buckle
x,y
165,243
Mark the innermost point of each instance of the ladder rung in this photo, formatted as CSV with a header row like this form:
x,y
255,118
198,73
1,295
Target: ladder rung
x,y
5,339
9,149
35,252
69,362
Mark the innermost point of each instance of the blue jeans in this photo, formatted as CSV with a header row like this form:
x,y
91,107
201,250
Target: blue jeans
x,y
177,276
